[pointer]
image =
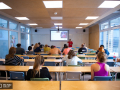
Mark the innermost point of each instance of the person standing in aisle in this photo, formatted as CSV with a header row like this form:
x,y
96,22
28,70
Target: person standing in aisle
x,y
70,43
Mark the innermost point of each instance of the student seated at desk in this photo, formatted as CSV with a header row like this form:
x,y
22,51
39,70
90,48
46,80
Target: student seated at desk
x,y
54,51
82,49
12,59
66,50
63,47
71,58
37,48
20,50
46,48
38,71
30,52
100,68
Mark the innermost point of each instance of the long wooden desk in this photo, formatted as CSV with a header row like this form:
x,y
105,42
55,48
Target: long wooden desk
x,y
59,56
90,85
33,85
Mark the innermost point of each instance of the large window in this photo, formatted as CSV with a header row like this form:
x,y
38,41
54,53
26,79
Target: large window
x,y
13,39
13,26
3,23
27,30
22,28
110,39
115,22
3,43
25,40
104,25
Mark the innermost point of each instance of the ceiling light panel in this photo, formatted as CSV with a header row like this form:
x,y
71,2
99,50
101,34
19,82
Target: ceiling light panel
x,y
4,6
78,27
22,18
32,24
91,17
59,27
109,4
56,18
83,24
53,4
57,23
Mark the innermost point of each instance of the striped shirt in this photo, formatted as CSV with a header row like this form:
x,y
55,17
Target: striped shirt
x,y
14,61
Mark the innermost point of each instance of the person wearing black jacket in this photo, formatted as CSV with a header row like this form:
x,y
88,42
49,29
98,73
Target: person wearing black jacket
x,y
38,71
82,49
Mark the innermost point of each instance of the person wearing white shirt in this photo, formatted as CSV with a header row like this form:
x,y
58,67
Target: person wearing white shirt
x,y
71,58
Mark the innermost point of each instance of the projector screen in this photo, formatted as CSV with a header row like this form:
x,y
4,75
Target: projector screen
x,y
59,35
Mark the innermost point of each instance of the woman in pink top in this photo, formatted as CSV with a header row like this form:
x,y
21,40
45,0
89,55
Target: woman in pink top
x,y
100,68
66,50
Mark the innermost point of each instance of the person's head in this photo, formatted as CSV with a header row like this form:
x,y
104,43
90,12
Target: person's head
x,y
52,47
101,57
29,48
82,45
39,43
18,45
46,45
12,52
39,61
102,46
71,54
101,49
69,39
36,45
65,45
32,44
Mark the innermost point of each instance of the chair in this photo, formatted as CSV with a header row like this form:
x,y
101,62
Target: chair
x,y
73,48
39,79
110,58
58,47
49,64
77,47
111,64
81,57
103,78
92,51
1,62
73,75
25,57
17,76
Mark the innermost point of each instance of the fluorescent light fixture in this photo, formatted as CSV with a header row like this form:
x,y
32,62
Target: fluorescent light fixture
x,y
109,4
32,24
83,24
53,4
59,27
91,17
22,18
56,18
78,27
57,23
4,6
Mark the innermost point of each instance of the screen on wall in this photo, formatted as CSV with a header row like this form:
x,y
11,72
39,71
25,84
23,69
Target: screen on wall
x,y
59,35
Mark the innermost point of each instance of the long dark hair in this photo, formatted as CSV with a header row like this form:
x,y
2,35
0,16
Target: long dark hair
x,y
12,52
71,54
39,60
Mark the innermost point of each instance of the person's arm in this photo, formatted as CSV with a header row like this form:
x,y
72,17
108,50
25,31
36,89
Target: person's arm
x,y
97,52
78,60
92,72
59,51
18,59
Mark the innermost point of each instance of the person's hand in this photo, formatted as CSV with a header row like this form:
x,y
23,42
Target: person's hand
x,y
21,57
51,80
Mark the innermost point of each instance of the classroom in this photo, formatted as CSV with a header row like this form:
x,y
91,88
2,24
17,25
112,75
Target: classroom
x,y
60,44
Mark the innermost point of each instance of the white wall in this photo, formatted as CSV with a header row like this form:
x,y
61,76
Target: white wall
x,y
76,35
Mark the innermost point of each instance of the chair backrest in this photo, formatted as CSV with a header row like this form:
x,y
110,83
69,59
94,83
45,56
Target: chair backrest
x,y
110,63
103,78
49,64
25,57
39,79
1,62
92,51
110,58
77,47
81,57
17,76
74,65
58,47
73,48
